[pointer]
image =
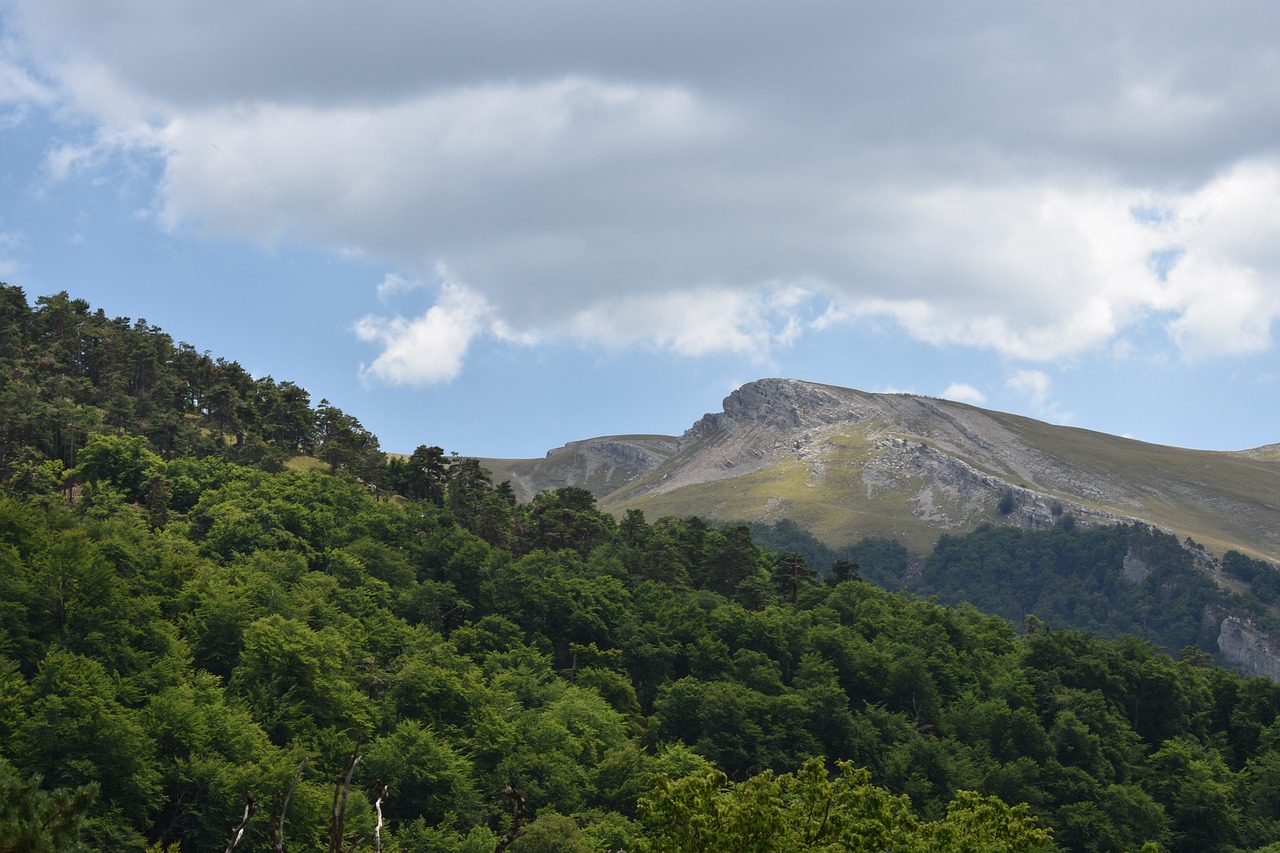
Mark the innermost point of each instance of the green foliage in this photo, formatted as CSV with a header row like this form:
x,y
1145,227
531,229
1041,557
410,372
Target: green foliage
x,y
77,381
876,559
426,777
35,820
1263,578
1074,577
187,622
811,811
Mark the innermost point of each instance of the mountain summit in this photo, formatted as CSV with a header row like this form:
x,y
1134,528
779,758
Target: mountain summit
x,y
848,464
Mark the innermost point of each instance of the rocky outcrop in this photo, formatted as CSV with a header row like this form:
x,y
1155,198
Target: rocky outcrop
x,y
1135,569
784,405
1248,648
909,467
600,465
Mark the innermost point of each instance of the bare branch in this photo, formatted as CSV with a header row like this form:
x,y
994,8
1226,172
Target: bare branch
x,y
517,818
377,830
250,808
342,789
279,808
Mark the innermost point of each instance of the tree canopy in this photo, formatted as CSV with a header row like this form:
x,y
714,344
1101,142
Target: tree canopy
x,y
186,621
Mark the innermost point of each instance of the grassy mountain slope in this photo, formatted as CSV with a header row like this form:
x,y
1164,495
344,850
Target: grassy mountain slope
x,y
848,464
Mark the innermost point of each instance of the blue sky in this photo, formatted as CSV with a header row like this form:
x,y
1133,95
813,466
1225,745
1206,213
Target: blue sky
x,y
498,226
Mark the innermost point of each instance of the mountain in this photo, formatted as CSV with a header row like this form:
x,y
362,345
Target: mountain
x,y
848,464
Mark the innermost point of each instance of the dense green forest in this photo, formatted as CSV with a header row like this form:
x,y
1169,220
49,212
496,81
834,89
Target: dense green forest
x,y
1110,580
1120,579
397,651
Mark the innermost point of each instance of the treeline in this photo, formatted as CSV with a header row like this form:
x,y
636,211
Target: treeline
x,y
1262,577
1112,580
881,561
185,621
608,670
68,372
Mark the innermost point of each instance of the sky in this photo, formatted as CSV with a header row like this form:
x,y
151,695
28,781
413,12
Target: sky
x,y
501,226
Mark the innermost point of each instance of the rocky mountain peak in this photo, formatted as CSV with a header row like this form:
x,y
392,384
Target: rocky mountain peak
x,y
847,463
782,404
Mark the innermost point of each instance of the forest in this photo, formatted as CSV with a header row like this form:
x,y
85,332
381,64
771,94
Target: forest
x,y
229,621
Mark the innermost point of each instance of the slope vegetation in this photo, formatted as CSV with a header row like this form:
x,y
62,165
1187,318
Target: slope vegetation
x,y
848,464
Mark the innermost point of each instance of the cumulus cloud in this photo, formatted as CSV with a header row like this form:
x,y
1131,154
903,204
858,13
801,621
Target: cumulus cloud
x,y
698,322
429,348
1036,386
963,392
394,283
1225,283
1003,178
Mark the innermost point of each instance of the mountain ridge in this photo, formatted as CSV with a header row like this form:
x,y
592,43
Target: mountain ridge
x,y
849,463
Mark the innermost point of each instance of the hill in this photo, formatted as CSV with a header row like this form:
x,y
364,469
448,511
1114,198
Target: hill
x,y
846,464
214,595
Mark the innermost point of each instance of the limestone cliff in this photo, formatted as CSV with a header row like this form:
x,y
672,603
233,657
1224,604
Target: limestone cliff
x,y
1252,651
847,463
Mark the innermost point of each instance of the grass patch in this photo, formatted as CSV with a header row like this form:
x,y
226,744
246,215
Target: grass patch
x,y
305,464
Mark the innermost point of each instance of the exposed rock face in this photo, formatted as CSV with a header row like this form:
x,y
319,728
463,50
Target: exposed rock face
x,y
846,461
1134,569
953,477
784,405
635,455
601,465
1248,648
846,464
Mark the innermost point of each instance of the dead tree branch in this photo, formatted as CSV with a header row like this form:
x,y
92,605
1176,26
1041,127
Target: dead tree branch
x,y
377,830
517,818
279,808
250,808
342,789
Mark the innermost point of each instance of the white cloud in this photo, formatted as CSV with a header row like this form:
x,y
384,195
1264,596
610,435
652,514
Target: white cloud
x,y
962,392
697,180
1033,384
693,323
1036,386
427,349
1225,286
393,284
17,85
398,178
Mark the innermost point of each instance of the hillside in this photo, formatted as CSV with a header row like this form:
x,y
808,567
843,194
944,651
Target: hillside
x,y
848,464
214,595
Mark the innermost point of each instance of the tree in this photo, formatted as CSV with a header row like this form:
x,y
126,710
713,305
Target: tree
x,y
425,776
427,475
732,558
296,679
78,733
345,444
1194,787
703,812
124,461
841,571
552,832
34,820
791,573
